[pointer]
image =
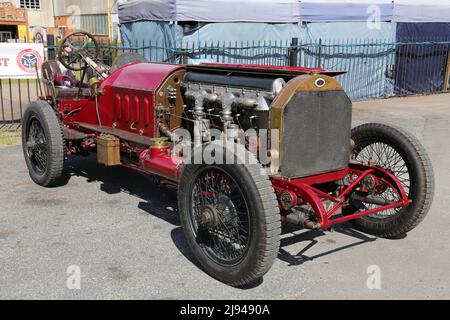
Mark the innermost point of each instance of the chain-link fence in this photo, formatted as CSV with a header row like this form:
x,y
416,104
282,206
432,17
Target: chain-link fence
x,y
375,68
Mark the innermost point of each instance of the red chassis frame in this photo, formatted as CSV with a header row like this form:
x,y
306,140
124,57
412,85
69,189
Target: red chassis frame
x,y
308,190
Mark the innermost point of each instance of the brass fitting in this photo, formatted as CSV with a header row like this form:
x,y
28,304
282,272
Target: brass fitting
x,y
94,84
159,142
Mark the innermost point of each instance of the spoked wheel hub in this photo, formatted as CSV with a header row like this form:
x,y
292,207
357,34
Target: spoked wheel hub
x,y
225,210
210,217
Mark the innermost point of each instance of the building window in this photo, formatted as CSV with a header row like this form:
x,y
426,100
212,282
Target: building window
x,y
30,4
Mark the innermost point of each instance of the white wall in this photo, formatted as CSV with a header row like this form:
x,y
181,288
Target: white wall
x,y
42,17
62,7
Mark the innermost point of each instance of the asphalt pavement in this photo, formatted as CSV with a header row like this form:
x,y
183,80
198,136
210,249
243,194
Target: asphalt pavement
x,y
122,233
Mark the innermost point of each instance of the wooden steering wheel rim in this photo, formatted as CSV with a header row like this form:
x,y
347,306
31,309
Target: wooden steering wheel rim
x,y
64,40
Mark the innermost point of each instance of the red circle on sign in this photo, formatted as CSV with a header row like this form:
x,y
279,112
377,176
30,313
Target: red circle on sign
x,y
28,60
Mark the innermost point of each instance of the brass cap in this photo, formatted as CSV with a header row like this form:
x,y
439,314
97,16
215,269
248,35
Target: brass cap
x,y
159,142
94,83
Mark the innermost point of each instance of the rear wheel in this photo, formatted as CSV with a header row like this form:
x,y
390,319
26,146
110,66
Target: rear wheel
x,y
42,141
400,153
231,220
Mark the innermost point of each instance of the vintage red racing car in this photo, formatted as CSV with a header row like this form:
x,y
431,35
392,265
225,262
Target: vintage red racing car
x,y
247,146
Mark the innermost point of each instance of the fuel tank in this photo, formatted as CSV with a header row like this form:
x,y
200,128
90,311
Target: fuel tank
x,y
140,76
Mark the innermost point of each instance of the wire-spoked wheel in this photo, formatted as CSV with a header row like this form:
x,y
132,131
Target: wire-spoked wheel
x,y
220,216
386,157
231,220
42,142
400,153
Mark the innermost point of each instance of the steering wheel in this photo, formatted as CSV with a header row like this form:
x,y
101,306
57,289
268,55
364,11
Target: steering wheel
x,y
74,49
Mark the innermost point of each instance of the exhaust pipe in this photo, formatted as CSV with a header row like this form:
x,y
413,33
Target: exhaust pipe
x,y
301,219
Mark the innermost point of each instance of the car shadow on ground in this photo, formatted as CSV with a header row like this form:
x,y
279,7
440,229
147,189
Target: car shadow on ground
x,y
311,238
161,202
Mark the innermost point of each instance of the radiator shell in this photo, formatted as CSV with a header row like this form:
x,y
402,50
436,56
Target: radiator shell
x,y
316,133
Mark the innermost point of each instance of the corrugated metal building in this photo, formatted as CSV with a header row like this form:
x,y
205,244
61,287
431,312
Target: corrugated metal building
x,y
88,15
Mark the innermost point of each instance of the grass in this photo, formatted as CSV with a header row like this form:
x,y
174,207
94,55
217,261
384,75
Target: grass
x,y
8,139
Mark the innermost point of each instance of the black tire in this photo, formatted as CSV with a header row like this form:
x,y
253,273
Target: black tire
x,y
415,173
263,221
44,158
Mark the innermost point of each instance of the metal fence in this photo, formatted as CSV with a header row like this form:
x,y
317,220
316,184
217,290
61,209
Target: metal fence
x,y
375,68
15,94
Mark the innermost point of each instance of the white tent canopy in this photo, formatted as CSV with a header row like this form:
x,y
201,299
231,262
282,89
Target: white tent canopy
x,y
210,10
346,10
283,11
422,11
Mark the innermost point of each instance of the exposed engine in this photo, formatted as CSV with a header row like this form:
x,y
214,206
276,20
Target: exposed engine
x,y
223,101
275,106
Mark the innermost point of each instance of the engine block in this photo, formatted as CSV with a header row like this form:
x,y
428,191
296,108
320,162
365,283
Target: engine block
x,y
243,101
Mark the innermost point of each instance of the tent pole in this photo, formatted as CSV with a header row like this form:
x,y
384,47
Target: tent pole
x,y
109,20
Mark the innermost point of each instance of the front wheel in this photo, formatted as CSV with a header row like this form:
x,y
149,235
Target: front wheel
x,y
231,220
400,153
